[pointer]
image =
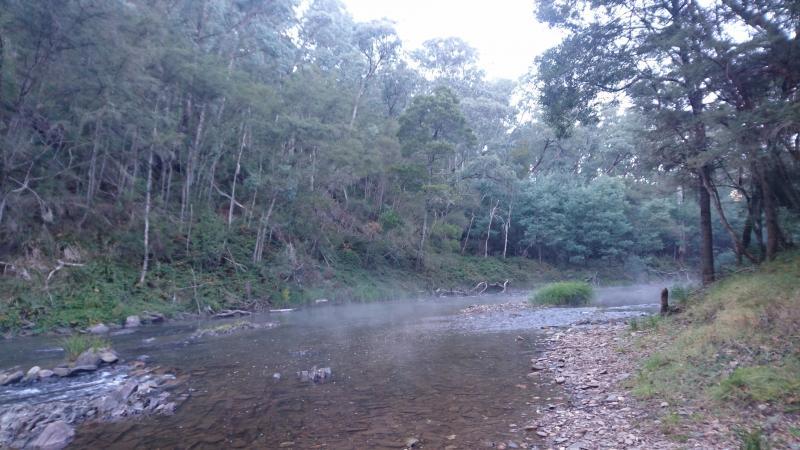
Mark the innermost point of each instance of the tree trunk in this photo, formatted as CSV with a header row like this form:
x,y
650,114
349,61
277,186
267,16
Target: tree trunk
x,y
148,192
770,213
469,229
236,175
361,90
707,237
421,253
489,229
2,59
507,225
261,237
90,189
739,248
191,161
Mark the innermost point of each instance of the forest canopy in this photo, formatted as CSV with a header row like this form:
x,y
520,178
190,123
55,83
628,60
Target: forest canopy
x,y
241,136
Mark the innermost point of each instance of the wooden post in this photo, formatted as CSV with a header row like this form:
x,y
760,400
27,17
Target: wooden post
x,y
664,302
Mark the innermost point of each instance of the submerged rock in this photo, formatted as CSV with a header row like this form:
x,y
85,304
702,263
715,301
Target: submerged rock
x,y
229,328
55,436
315,375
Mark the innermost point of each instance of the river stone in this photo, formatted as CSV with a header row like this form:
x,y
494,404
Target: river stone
x,y
152,318
166,409
45,374
12,378
107,403
99,329
108,356
33,373
82,369
128,388
55,436
132,322
61,371
89,357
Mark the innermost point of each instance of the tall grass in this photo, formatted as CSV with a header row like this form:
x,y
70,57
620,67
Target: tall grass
x,y
564,293
79,343
748,321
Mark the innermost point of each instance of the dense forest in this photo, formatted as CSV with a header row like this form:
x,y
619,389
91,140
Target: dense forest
x,y
190,154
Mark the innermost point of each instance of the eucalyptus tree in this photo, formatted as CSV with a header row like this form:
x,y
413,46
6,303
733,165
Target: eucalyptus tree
x,y
379,44
431,131
656,53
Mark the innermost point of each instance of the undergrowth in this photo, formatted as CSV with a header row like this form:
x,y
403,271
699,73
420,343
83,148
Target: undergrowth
x,y
105,290
736,345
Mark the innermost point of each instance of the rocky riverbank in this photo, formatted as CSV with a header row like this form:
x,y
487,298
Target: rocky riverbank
x,y
596,366
83,393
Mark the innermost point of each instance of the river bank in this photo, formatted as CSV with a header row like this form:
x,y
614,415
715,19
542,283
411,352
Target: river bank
x,y
677,383
596,365
104,291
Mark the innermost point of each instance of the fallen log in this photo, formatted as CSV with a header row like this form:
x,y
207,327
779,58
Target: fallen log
x,y
231,313
479,289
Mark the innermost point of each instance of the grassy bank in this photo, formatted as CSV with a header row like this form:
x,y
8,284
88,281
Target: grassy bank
x,y
105,291
736,347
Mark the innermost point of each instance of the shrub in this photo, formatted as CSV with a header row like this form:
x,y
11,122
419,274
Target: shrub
x,y
680,293
564,293
75,345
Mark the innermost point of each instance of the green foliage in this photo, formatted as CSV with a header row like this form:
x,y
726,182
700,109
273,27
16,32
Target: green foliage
x,y
315,159
719,329
761,384
75,345
390,220
680,293
564,293
752,439
645,323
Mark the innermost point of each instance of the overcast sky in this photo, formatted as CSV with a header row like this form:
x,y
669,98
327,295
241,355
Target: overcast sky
x,y
505,32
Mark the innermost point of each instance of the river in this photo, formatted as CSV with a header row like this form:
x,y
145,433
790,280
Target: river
x,y
401,370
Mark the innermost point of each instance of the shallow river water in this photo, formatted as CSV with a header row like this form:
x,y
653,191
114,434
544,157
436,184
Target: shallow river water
x,y
401,370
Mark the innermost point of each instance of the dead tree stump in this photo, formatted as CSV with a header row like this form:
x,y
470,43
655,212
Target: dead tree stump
x,y
664,302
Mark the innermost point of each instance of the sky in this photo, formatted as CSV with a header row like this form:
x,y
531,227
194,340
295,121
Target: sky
x,y
505,32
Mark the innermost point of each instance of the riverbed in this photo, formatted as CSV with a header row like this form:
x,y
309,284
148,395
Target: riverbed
x,y
403,372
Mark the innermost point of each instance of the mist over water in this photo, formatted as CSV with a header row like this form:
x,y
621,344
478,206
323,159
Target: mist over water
x,y
402,369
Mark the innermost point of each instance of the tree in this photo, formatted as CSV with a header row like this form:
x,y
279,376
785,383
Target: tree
x,y
655,53
378,43
434,127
